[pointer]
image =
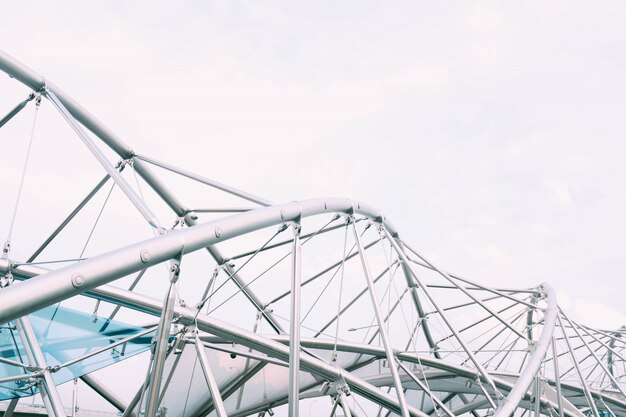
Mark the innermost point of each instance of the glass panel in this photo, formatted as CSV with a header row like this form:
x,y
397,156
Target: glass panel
x,y
65,334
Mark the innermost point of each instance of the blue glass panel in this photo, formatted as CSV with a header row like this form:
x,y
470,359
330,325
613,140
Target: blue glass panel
x,y
11,348
65,334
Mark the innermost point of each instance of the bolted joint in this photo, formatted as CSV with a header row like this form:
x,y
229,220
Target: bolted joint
x,y
174,270
145,256
7,248
345,389
6,279
296,228
78,280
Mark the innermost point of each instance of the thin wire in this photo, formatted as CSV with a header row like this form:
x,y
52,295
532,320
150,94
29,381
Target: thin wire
x,y
286,320
7,247
264,272
388,258
95,224
58,261
319,296
138,185
235,273
93,228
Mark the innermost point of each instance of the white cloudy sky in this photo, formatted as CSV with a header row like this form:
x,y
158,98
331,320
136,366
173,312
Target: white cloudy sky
x,y
491,133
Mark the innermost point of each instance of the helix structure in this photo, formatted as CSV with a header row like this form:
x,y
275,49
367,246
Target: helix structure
x,y
168,293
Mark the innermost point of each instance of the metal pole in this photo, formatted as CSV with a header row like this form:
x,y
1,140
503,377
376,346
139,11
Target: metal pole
x,y
51,398
177,207
509,403
119,180
343,400
104,392
74,397
162,336
294,330
537,406
332,410
381,326
610,349
557,378
69,218
63,283
16,110
468,294
424,388
11,408
218,404
242,194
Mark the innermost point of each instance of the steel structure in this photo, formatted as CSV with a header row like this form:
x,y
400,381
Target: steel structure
x,y
281,304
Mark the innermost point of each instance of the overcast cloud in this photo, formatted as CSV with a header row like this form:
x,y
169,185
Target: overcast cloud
x,y
490,133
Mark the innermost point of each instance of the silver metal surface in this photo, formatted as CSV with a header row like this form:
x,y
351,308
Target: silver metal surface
x,y
454,347
216,397
294,321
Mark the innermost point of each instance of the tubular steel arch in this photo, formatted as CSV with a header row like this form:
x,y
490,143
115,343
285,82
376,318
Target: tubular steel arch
x,y
264,308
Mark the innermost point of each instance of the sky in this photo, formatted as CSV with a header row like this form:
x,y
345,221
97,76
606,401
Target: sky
x,y
490,133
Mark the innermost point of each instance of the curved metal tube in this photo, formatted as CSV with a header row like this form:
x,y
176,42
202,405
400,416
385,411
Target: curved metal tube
x,y
25,298
91,276
509,403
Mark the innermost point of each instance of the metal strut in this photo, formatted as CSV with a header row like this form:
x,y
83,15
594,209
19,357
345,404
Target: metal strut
x,y
16,110
162,342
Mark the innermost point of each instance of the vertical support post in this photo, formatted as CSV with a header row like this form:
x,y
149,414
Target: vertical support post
x,y
294,331
218,404
557,378
391,359
49,392
162,336
537,407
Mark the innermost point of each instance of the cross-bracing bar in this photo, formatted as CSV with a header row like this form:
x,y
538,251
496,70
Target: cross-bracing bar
x,y
218,404
106,164
586,390
49,392
432,300
381,326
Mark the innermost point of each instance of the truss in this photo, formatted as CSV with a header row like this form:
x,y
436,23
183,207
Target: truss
x,y
265,308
